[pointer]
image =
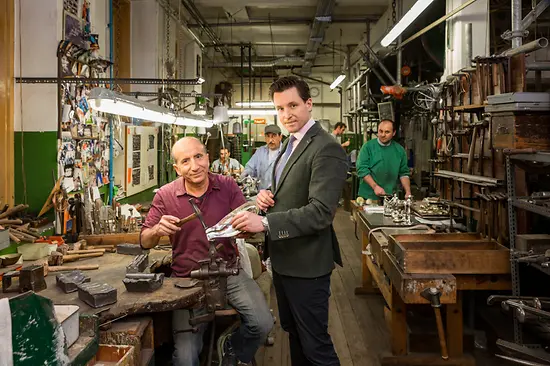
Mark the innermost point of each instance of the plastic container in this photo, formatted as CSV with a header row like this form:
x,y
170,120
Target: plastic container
x,y
34,251
67,316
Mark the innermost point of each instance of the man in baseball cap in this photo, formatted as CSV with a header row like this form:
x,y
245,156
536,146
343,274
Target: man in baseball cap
x,y
261,164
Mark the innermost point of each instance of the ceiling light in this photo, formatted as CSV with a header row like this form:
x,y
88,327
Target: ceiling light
x,y
108,101
248,111
254,104
405,21
338,80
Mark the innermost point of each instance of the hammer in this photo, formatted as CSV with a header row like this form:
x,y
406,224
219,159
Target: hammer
x,y
433,295
85,267
197,214
57,259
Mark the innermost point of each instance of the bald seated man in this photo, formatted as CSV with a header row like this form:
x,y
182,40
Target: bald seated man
x,y
216,196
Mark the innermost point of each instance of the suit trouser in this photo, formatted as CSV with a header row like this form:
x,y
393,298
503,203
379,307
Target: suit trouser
x,y
303,311
245,296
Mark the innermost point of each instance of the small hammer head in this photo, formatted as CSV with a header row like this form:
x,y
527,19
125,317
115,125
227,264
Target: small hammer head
x,y
433,295
197,212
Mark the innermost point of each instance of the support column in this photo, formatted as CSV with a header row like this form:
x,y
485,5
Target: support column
x,y
7,46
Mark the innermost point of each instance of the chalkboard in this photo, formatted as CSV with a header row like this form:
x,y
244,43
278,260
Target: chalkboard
x,y
72,27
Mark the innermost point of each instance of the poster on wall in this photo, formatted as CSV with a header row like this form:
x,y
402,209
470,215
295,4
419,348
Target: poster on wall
x,y
72,30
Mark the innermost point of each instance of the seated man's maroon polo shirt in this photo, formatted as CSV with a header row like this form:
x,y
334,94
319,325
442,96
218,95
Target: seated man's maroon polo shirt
x,y
190,245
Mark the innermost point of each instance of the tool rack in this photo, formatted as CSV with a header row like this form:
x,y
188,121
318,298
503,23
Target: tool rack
x,y
523,203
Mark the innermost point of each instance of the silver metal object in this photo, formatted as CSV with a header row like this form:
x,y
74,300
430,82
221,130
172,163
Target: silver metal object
x,y
223,228
537,44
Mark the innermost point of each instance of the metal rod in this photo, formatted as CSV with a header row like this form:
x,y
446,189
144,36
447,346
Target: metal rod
x,y
542,66
534,14
310,78
242,85
111,129
357,79
469,44
53,80
249,94
281,22
517,39
537,44
379,63
436,23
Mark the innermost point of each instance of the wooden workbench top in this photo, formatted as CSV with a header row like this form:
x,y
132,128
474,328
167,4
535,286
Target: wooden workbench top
x,y
112,269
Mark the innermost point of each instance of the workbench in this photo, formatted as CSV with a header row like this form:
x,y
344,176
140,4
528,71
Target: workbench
x,y
112,269
382,273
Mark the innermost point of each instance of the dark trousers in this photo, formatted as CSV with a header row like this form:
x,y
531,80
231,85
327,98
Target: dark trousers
x,y
303,312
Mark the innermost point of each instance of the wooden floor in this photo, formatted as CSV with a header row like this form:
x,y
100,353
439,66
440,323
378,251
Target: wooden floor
x,y
356,323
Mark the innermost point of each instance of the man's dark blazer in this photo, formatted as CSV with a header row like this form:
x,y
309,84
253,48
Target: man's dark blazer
x,y
301,239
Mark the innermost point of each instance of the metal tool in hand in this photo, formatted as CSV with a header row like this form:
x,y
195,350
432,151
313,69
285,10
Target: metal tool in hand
x,y
213,272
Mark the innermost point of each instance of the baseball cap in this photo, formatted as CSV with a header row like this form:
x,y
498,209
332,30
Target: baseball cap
x,y
272,129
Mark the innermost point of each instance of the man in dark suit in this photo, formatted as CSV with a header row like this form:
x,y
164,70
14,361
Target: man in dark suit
x,y
308,178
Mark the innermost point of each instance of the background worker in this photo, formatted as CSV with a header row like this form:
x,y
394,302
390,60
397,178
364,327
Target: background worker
x,y
260,166
339,129
381,162
226,165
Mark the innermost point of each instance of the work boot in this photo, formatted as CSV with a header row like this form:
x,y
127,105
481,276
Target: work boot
x,y
228,354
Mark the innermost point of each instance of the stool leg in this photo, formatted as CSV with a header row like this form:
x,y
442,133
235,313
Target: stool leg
x,y
211,343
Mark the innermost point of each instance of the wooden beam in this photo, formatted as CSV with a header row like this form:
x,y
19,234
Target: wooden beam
x,y
7,46
123,41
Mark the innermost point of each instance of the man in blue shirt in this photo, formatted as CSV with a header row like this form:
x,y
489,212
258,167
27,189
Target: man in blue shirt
x,y
261,164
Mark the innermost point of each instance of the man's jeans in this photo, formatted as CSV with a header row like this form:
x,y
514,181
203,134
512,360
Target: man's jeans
x,y
245,296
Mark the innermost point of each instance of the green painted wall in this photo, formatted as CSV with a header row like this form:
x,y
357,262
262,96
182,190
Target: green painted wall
x,y
39,160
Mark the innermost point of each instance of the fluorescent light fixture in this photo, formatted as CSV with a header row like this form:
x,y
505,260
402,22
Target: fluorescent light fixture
x,y
254,104
404,22
338,80
108,101
255,112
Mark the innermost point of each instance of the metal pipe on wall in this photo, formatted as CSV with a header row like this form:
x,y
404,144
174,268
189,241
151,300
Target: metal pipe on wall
x,y
249,93
399,57
516,24
469,44
111,129
378,62
538,66
537,44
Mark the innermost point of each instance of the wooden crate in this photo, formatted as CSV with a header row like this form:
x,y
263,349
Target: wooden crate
x,y
137,332
450,254
521,130
110,355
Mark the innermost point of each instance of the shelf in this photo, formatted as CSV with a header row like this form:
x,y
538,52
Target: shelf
x,y
521,202
468,107
469,178
542,157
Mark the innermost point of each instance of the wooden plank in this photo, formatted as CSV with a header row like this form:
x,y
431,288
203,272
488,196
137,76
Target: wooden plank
x,y
426,360
409,286
398,324
114,239
7,90
483,282
342,326
455,328
378,276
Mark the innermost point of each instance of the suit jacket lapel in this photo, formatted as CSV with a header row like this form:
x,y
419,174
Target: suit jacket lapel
x,y
302,146
273,179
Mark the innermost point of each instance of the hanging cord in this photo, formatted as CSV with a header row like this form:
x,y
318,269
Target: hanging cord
x,y
23,173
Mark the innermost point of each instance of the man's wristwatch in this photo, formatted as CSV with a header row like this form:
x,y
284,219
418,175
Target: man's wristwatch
x,y
265,223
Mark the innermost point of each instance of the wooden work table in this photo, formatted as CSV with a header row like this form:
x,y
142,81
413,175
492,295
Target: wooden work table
x,y
382,273
112,270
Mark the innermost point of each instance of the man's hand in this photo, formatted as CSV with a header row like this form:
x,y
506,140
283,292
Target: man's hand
x,y
248,222
264,200
167,226
346,144
379,191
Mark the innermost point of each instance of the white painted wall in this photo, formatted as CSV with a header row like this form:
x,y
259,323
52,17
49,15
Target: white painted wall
x,y
455,48
145,42
38,36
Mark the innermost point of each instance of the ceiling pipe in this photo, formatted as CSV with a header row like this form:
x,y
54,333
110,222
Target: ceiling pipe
x,y
321,21
263,64
290,21
537,44
310,78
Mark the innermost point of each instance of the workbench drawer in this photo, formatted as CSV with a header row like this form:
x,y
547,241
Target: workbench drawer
x,y
113,356
450,254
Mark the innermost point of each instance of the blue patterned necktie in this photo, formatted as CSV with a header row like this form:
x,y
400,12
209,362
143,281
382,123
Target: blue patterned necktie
x,y
284,159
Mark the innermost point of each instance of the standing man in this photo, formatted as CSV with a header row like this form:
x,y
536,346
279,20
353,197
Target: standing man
x,y
226,165
261,164
339,129
215,196
381,162
301,205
